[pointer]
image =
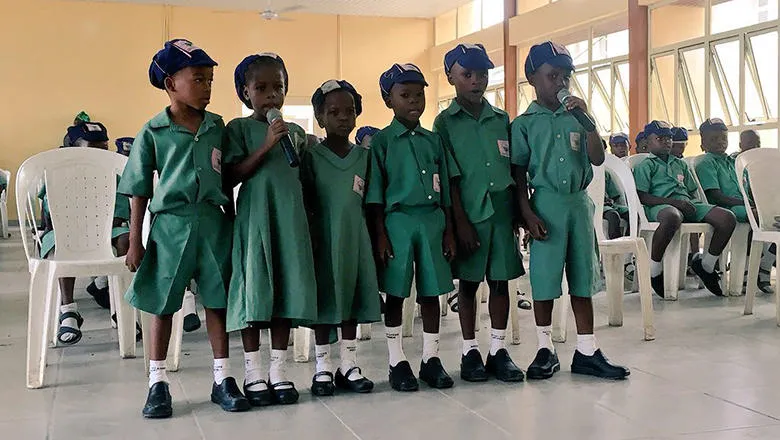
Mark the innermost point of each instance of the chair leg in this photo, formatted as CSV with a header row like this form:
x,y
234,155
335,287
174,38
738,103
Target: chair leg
x,y
753,263
443,306
407,320
364,332
560,314
41,296
482,295
125,314
777,295
513,324
174,347
671,263
738,260
301,344
613,272
685,248
642,274
54,313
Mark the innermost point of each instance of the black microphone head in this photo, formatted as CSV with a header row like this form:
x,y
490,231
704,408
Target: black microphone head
x,y
562,95
273,114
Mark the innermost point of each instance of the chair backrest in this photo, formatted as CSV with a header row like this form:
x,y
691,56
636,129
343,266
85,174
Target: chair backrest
x,y
761,165
81,191
635,159
596,190
4,193
632,162
621,175
692,162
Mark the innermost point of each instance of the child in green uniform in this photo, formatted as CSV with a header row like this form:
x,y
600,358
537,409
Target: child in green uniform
x,y
408,204
183,143
614,209
618,145
679,142
641,142
667,189
554,153
476,136
333,174
718,178
273,282
91,135
364,135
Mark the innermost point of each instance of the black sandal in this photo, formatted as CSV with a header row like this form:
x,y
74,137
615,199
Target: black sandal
x,y
453,302
258,398
320,388
138,333
285,396
64,330
362,385
522,301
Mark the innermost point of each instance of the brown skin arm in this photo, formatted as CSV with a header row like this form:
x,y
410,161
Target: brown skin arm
x,y
595,148
650,200
718,198
136,251
449,247
242,171
533,224
383,250
464,230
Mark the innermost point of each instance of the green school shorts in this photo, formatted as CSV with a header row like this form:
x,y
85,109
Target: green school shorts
x,y
702,209
740,212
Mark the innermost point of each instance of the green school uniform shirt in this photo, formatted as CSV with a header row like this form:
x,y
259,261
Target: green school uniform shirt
x,y
669,179
559,162
717,171
480,155
408,169
189,165
3,182
612,192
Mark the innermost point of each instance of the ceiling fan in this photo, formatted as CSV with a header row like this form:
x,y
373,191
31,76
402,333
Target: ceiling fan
x,y
272,14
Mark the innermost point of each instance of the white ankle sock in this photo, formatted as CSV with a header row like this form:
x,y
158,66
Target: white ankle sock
x,y
497,340
157,372
586,344
468,345
101,282
394,345
322,354
277,372
221,370
430,346
252,370
69,322
656,268
544,337
188,304
349,358
708,261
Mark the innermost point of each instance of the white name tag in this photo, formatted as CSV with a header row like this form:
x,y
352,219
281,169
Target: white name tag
x,y
216,160
574,140
436,183
359,185
503,148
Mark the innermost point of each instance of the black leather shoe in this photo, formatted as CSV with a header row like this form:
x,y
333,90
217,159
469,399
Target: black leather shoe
x,y
503,368
711,280
402,378
432,373
158,402
258,398
657,283
321,388
191,322
100,295
471,367
284,396
544,366
597,365
228,396
362,385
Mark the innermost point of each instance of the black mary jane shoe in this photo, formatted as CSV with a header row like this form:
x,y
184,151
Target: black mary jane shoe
x,y
433,373
228,396
503,368
362,385
597,365
258,398
402,378
472,369
158,402
711,280
657,283
285,396
101,296
544,365
321,388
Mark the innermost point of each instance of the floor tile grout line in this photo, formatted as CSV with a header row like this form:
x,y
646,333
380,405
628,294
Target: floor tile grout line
x,y
192,413
741,406
343,423
490,422
729,429
50,424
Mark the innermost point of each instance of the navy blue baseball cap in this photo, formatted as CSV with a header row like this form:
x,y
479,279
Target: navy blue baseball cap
x,y
679,134
318,98
713,124
88,131
400,74
363,132
174,56
618,138
239,76
550,53
659,128
123,145
469,56
640,137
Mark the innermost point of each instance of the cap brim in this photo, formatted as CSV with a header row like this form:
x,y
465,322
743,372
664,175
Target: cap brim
x,y
561,61
410,77
476,64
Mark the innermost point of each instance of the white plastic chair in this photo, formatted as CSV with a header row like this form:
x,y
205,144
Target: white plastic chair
x,y
762,165
674,261
81,190
736,249
4,206
613,251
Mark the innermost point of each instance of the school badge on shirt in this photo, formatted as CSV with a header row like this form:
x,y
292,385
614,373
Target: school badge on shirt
x,y
359,185
436,183
503,147
574,140
680,178
216,160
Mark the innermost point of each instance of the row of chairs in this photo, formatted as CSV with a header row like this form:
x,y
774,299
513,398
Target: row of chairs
x,y
4,233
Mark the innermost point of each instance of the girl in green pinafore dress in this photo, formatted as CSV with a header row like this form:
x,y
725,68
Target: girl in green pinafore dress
x,y
273,282
333,174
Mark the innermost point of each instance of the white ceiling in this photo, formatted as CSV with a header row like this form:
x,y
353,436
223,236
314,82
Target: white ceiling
x,y
384,8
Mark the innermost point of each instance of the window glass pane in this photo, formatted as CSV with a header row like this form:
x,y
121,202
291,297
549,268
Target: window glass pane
x,y
724,82
579,52
768,138
492,12
610,45
662,88
302,115
500,100
733,14
691,102
496,76
765,53
469,18
490,97
525,95
580,84
600,106
679,21
694,145
620,103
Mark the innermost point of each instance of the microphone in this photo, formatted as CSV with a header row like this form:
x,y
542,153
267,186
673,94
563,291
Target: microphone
x,y
287,145
583,118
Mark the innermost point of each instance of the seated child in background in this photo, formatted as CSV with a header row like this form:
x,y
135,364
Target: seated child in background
x,y
679,143
641,142
667,189
615,209
618,145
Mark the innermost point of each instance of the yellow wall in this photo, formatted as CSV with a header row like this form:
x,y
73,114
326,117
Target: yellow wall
x,y
66,56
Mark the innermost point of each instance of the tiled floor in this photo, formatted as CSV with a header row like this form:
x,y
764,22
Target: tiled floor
x,y
710,375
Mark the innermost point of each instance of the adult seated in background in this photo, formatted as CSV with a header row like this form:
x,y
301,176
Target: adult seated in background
x,y
90,135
